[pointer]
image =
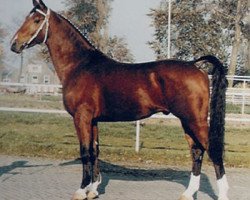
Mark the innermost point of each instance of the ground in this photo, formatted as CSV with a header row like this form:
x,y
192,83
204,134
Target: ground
x,y
24,178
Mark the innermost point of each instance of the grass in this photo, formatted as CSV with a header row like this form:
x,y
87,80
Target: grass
x,y
237,109
31,101
162,141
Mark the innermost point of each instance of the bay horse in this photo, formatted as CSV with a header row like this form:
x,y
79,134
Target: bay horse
x,y
99,89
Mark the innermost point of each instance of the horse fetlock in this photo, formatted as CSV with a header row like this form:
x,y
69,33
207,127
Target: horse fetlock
x,y
92,189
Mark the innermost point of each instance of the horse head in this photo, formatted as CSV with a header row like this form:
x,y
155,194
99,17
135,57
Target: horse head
x,y
34,30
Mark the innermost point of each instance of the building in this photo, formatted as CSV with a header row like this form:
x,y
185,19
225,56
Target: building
x,y
34,78
35,73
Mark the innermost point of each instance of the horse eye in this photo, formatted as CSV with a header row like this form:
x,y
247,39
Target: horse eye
x,y
37,21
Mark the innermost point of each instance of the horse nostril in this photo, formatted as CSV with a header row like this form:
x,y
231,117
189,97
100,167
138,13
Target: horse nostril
x,y
13,46
16,48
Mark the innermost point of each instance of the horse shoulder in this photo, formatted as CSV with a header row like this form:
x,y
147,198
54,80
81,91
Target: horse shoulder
x,y
81,90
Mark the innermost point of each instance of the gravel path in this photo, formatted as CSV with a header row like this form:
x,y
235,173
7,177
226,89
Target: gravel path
x,y
24,178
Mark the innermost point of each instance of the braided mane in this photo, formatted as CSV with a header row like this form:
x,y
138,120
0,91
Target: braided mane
x,y
79,31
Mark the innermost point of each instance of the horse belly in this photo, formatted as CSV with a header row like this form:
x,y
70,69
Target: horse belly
x,y
138,104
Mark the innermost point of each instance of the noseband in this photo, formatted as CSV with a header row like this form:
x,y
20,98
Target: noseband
x,y
45,23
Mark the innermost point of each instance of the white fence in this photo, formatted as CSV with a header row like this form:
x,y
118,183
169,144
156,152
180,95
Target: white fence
x,y
46,89
238,98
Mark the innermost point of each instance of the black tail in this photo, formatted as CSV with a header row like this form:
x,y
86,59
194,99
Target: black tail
x,y
217,109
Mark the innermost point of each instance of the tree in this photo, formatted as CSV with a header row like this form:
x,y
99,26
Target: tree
x,y
1,44
241,4
118,50
199,27
246,33
2,36
91,16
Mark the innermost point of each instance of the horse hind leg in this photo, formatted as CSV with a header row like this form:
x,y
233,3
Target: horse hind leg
x,y
197,138
222,183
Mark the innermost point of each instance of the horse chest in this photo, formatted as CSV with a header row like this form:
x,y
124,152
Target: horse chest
x,y
75,97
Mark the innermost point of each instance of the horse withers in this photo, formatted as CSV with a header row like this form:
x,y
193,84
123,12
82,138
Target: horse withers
x,y
99,89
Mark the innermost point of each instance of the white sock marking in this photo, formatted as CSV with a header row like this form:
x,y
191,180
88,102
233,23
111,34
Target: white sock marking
x,y
94,186
193,186
223,188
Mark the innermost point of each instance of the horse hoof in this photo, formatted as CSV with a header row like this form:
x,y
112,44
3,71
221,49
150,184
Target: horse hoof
x,y
79,195
183,197
92,195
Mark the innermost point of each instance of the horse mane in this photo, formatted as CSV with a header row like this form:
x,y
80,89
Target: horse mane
x,y
94,50
84,36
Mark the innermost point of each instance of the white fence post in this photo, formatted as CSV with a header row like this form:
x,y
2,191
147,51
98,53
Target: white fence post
x,y
243,98
137,139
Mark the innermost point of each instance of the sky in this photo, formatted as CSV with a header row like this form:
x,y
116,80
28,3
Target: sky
x,y
128,19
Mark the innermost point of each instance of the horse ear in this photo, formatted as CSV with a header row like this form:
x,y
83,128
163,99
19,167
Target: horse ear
x,y
39,3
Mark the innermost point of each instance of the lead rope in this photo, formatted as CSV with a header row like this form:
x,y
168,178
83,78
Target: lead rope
x,y
45,22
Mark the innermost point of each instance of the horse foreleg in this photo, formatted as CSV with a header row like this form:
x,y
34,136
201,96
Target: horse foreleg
x,y
96,176
81,193
82,122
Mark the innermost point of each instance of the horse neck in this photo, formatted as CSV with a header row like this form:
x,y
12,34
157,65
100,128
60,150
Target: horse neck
x,y
67,47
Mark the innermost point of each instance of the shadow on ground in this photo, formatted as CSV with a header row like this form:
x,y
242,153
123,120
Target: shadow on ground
x,y
116,172
10,169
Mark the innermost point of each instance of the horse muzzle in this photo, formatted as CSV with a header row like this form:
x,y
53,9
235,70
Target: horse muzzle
x,y
17,48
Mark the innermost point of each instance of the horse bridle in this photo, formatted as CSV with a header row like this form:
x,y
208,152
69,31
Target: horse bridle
x,y
45,23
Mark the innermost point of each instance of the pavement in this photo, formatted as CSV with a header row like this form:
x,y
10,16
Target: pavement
x,y
23,178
